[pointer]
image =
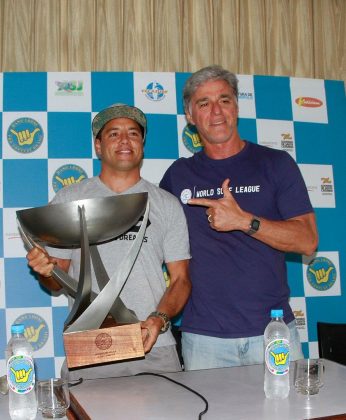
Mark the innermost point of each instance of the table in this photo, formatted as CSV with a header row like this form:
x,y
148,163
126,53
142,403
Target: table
x,y
233,393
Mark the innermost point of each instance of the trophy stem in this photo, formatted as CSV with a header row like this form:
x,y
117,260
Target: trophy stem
x,y
120,313
82,300
97,311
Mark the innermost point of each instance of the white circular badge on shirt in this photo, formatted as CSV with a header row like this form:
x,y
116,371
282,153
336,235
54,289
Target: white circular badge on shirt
x,y
185,196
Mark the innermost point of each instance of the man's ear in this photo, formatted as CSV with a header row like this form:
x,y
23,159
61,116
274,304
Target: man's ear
x,y
189,117
97,145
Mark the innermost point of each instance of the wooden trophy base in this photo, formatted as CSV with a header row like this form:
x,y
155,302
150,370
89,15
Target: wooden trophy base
x,y
103,345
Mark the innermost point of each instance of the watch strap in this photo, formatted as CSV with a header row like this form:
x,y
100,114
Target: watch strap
x,y
254,225
165,319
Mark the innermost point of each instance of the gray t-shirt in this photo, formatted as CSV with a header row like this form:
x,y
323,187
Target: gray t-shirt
x,y
165,240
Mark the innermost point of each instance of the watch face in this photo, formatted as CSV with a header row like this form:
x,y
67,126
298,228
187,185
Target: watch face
x,y
255,224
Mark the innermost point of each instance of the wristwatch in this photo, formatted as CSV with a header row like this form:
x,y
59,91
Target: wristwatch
x,y
165,319
254,226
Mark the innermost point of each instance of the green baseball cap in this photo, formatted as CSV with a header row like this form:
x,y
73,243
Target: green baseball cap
x,y
118,111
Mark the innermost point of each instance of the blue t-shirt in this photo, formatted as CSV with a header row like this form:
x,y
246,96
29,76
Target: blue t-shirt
x,y
237,279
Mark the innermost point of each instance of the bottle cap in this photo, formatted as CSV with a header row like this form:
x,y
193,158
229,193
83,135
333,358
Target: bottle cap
x,y
277,313
17,329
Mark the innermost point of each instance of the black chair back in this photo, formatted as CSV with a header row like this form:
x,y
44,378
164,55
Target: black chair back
x,y
332,341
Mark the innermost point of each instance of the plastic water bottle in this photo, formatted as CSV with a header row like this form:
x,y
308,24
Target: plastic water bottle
x,y
20,376
276,357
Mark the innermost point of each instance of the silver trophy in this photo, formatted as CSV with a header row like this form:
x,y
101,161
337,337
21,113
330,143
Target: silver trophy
x,y
84,224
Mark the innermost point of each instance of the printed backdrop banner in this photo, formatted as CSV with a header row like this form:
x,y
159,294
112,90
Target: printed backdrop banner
x,y
45,121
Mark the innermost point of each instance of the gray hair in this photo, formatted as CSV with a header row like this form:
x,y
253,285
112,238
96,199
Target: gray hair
x,y
204,75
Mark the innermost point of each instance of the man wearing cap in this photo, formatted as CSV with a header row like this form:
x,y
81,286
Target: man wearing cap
x,y
119,133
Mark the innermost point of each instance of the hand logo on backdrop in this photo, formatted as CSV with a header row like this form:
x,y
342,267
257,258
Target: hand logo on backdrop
x,y
66,175
32,334
35,329
194,138
191,139
70,180
321,275
25,137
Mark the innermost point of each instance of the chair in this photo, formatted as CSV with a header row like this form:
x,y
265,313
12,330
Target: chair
x,y
332,341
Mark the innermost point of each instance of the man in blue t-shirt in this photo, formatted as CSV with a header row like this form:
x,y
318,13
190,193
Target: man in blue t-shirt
x,y
246,205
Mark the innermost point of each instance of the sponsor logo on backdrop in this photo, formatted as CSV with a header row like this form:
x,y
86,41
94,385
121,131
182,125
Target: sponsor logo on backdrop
x,y
191,139
269,143
67,175
245,95
311,188
320,184
308,102
321,273
155,91
326,186
276,134
35,329
25,135
300,319
12,235
287,142
69,88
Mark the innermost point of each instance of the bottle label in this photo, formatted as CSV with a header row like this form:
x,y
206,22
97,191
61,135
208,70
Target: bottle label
x,y
277,356
20,374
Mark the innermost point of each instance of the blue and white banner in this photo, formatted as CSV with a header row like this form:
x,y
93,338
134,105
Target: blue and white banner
x,y
45,122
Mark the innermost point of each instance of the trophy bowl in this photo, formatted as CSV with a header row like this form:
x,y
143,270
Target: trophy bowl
x,y
106,218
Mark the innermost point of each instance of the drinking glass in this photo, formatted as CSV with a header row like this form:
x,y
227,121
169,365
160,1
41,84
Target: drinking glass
x,y
308,376
53,397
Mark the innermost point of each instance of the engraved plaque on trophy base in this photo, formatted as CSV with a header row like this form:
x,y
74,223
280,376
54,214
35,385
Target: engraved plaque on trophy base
x,y
103,345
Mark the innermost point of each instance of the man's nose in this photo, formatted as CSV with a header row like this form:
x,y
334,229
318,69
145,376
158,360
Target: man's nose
x,y
123,137
216,109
